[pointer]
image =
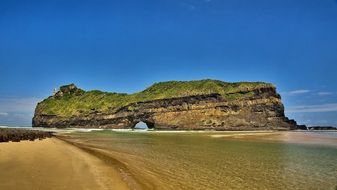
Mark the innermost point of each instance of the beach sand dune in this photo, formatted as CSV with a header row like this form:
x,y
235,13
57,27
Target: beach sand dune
x,y
53,164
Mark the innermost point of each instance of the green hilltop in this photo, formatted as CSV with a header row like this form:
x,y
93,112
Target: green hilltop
x,y
72,101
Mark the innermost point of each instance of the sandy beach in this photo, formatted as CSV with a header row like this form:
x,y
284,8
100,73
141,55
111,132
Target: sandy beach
x,y
170,160
53,164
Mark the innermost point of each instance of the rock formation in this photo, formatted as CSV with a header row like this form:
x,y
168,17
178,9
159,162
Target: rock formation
x,y
179,105
16,135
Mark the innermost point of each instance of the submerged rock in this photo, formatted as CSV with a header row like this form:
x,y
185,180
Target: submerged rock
x,y
180,105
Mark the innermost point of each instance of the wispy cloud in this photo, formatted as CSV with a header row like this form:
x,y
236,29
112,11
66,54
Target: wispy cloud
x,y
4,114
192,5
17,111
324,93
188,6
313,108
295,92
18,104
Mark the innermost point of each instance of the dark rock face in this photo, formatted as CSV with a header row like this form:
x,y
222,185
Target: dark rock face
x,y
16,135
260,111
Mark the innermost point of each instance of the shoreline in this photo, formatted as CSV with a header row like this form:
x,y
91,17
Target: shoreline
x,y
107,157
69,130
64,162
54,164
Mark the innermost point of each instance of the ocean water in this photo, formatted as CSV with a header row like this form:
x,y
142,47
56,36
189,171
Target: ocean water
x,y
206,160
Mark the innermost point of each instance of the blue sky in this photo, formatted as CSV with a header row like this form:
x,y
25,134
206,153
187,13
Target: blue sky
x,y
126,45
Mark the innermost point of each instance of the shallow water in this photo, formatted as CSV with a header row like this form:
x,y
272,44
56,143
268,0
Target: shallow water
x,y
154,160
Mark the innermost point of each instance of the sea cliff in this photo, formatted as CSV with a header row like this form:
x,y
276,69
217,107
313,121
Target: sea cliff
x,y
179,105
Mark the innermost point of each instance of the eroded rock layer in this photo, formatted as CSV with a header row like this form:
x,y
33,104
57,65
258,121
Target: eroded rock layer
x,y
239,106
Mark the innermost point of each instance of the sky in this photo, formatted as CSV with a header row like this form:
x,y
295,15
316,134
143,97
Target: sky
x,y
126,45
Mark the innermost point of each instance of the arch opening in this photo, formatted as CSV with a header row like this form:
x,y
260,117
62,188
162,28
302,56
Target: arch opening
x,y
143,125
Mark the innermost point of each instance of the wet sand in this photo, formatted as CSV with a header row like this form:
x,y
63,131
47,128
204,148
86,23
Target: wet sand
x,y
53,164
298,137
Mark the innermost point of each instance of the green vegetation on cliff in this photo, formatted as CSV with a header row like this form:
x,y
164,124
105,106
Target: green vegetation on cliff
x,y
71,101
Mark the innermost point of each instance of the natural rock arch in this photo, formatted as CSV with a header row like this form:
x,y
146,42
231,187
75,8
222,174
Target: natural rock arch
x,y
211,105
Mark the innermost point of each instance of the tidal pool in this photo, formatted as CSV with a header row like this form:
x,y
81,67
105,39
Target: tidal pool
x,y
216,160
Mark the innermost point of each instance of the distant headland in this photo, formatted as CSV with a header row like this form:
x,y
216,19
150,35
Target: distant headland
x,y
175,105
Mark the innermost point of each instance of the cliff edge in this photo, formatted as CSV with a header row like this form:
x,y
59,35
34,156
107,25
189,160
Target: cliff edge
x,y
180,105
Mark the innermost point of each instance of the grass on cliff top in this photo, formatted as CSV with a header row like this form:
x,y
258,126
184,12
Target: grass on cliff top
x,y
81,102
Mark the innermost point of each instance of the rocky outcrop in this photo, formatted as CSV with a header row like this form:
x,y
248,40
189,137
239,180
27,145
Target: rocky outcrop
x,y
16,135
257,108
320,128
